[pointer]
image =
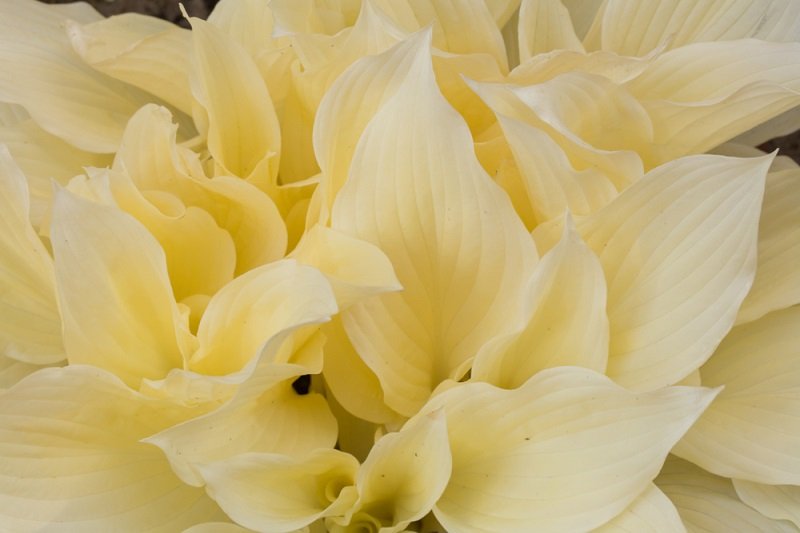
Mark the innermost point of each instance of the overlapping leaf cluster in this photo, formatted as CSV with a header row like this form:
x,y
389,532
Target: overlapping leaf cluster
x,y
400,265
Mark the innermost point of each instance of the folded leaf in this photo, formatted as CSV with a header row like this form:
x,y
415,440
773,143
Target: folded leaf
x,y
243,131
545,25
356,269
751,431
403,476
65,96
629,27
278,493
678,249
651,512
349,104
416,191
564,319
552,185
779,502
147,52
72,460
568,451
777,282
708,503
114,293
353,384
249,311
150,156
30,326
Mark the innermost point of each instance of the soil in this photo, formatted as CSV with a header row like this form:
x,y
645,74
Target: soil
x,y
165,9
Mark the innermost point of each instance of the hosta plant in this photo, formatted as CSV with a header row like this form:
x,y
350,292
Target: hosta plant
x,y
400,265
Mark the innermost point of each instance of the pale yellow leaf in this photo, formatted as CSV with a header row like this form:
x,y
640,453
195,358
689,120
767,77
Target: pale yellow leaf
x,y
147,52
66,97
30,326
777,282
403,476
780,502
356,269
243,130
278,493
709,504
72,460
545,25
751,431
352,383
43,157
150,156
679,250
552,185
266,415
416,190
349,104
114,293
651,512
631,27
567,451
249,311
564,319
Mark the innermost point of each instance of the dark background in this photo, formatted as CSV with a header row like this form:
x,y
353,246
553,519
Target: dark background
x,y
169,10
165,9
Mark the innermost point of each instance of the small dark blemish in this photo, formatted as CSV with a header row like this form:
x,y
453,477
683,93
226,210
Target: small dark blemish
x,y
302,384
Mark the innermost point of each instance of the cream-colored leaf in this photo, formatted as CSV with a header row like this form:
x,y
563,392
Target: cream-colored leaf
x,y
43,157
704,72
243,130
356,269
217,527
353,384
651,512
274,410
704,94
266,415
777,282
150,156
147,52
72,460
552,184
416,191
349,104
403,476
543,67
249,311
278,493
66,97
114,293
779,502
461,27
567,451
564,319
248,21
631,27
30,327
597,123
201,256
709,504
679,250
751,432
545,25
